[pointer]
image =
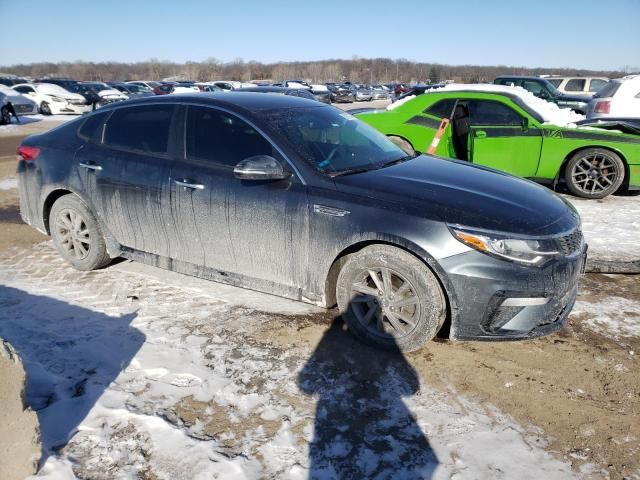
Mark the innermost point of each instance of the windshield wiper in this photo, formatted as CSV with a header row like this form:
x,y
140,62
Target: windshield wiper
x,y
348,171
397,160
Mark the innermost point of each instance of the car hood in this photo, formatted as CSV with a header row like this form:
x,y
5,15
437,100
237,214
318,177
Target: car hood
x,y
460,193
112,92
66,96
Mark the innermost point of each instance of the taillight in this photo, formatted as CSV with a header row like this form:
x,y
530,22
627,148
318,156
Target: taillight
x,y
603,106
28,153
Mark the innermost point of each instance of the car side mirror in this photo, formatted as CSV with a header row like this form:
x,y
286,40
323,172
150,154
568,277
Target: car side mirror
x,y
260,167
544,95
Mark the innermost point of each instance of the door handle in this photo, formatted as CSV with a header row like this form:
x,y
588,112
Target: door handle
x,y
481,134
91,166
188,184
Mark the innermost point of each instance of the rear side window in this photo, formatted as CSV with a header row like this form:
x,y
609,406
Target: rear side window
x,y
575,85
486,112
441,109
91,129
145,129
609,90
221,138
597,84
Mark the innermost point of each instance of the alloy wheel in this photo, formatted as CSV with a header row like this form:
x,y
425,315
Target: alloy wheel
x,y
385,302
73,233
595,173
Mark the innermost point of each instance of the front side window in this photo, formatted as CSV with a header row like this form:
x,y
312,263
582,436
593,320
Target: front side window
x,y
486,112
144,128
218,137
332,141
575,85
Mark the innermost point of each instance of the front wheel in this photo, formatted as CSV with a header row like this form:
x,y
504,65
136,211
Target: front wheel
x,y
594,173
389,298
45,109
76,234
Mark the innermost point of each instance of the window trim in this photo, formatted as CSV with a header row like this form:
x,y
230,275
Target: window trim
x,y
183,138
170,142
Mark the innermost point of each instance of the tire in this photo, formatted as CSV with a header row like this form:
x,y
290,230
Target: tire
x,y
372,313
45,109
68,219
403,144
594,173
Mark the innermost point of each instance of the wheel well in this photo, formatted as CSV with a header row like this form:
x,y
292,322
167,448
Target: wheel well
x,y
560,175
340,260
402,138
48,203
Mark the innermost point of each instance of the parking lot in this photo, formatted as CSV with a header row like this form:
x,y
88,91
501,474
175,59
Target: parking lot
x,y
166,376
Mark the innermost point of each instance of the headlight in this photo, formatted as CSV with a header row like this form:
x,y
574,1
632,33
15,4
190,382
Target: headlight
x,y
530,251
57,99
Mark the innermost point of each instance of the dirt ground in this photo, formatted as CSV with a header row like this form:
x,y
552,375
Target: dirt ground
x,y
580,387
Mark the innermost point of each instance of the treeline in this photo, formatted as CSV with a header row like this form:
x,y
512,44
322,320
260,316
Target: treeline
x,y
357,70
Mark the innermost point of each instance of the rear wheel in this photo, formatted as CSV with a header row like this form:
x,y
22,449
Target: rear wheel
x,y
76,234
45,109
594,173
5,116
403,144
390,299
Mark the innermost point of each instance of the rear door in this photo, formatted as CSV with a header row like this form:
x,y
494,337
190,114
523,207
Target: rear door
x,y
500,138
253,228
125,169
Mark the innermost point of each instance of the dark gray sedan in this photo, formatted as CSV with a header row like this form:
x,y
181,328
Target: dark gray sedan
x,y
296,198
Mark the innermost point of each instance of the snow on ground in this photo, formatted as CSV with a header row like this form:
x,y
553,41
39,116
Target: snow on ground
x,y
611,226
133,377
14,127
8,183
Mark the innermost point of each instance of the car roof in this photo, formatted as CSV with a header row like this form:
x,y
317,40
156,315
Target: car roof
x,y
246,101
523,77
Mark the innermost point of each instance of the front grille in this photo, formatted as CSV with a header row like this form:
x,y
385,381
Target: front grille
x,y
570,244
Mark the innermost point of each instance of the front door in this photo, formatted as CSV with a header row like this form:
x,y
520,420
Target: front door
x,y
258,229
126,175
502,139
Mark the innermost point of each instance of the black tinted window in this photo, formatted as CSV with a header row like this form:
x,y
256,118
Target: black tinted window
x,y
609,90
441,109
222,138
140,128
555,81
485,112
92,127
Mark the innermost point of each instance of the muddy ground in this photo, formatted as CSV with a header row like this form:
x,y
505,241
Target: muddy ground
x,y
582,388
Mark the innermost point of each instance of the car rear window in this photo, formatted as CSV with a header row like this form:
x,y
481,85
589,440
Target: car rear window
x,y
145,129
609,90
91,129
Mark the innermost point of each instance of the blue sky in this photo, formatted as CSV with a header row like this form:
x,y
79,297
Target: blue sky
x,y
581,34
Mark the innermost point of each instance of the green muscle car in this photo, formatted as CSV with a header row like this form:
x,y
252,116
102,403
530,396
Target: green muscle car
x,y
509,129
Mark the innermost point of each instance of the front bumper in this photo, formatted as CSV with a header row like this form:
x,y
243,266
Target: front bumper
x,y
500,300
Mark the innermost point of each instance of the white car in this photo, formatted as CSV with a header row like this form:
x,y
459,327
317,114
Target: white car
x,y
21,104
53,99
619,98
584,86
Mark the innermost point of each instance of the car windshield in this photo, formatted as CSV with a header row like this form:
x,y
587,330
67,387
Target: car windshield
x,y
334,142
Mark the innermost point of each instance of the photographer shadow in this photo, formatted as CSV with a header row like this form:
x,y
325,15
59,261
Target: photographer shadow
x,y
362,427
70,355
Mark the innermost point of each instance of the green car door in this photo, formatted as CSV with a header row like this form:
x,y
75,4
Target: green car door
x,y
501,138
